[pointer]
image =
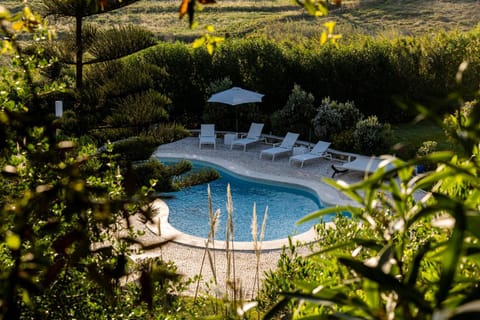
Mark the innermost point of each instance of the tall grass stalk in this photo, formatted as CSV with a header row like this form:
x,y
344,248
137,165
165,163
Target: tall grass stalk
x,y
213,222
229,248
257,246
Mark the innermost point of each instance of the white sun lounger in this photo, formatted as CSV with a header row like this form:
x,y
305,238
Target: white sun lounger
x,y
285,147
207,135
363,164
318,151
254,134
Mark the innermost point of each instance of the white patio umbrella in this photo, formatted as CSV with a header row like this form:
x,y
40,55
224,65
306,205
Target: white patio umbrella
x,y
235,96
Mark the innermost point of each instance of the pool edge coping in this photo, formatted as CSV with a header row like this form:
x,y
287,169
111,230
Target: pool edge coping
x,y
174,235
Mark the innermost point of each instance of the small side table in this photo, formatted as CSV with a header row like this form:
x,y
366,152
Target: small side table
x,y
228,138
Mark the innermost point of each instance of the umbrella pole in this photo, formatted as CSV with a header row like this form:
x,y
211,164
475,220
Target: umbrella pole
x,y
236,119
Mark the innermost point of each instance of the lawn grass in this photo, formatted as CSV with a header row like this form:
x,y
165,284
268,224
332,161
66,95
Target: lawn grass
x,y
414,134
283,20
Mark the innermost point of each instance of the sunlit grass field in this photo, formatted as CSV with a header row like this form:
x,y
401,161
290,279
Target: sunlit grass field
x,y
284,20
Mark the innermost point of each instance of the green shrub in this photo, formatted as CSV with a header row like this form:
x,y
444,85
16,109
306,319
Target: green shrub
x,y
171,177
344,140
335,121
257,64
375,73
182,82
372,137
145,172
166,133
135,148
451,121
427,148
139,111
104,134
203,175
296,115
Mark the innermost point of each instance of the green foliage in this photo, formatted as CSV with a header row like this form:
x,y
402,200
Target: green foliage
x,y
335,122
132,147
135,148
219,85
139,111
75,296
375,73
427,148
372,137
64,234
119,42
180,82
423,151
452,121
416,254
203,175
172,177
118,87
296,115
166,133
291,268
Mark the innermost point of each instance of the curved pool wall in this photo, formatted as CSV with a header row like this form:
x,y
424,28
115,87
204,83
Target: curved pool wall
x,y
287,203
326,194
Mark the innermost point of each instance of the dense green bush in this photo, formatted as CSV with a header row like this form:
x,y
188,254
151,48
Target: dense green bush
x,y
146,172
333,117
117,85
427,148
166,133
256,64
180,83
296,115
135,148
377,74
171,177
291,268
372,137
139,111
335,122
203,175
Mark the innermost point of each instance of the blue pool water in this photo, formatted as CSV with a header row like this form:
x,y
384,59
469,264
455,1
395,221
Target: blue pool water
x,y
286,205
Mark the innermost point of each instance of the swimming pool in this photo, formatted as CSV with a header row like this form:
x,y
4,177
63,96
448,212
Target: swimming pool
x,y
286,203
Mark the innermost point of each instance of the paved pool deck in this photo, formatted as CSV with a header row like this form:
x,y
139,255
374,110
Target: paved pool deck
x,y
188,252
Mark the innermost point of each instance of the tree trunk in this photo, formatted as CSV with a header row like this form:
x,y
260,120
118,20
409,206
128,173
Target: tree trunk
x,y
79,55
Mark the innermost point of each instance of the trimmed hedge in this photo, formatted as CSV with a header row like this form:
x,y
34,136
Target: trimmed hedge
x,y
374,73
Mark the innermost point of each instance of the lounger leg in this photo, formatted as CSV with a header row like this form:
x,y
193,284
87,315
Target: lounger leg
x,y
336,170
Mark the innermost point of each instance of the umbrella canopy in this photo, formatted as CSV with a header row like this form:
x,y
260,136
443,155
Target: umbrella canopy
x,y
235,96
